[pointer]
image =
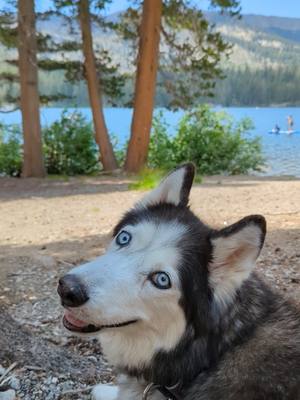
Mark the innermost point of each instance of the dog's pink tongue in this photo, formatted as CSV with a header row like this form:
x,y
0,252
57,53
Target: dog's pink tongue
x,y
74,321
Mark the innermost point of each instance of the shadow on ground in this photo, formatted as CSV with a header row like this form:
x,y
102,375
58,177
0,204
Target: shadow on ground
x,y
16,189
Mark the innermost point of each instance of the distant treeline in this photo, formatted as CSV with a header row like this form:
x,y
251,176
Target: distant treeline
x,y
241,87
263,87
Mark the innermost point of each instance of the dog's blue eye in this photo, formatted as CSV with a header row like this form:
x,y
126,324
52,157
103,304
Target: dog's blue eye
x,y
161,280
123,238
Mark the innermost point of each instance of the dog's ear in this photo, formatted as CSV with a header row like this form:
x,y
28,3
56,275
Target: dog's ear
x,y
234,252
174,188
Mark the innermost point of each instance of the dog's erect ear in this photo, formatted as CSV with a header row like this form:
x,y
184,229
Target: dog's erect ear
x,y
234,252
174,188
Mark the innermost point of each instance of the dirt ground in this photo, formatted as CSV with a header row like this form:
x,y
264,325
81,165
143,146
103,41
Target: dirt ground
x,y
48,226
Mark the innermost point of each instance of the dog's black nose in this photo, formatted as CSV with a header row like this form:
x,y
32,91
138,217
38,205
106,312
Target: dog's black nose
x,y
72,291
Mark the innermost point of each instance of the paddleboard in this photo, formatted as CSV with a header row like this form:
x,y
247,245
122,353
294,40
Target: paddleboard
x,y
273,132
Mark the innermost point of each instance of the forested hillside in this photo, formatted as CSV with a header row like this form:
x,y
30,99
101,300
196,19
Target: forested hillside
x,y
265,60
264,66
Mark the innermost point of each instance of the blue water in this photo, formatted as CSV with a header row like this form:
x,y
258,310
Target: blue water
x,y
282,152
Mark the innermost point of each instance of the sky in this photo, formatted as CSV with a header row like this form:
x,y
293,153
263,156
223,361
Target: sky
x,y
281,8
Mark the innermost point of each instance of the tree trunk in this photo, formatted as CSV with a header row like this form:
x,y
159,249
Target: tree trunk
x,y
33,164
102,138
145,85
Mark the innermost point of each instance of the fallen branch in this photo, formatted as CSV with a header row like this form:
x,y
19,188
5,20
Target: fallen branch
x,y
10,368
75,391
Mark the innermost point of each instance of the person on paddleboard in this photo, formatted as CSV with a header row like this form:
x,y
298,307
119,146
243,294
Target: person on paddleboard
x,y
290,122
277,129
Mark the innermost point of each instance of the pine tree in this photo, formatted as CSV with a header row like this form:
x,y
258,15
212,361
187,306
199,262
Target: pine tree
x,y
44,46
145,85
33,164
107,154
92,68
190,68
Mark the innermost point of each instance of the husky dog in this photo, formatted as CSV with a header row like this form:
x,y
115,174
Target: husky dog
x,y
177,305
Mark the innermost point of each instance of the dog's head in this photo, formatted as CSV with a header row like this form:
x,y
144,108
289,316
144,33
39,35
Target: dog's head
x,y
164,272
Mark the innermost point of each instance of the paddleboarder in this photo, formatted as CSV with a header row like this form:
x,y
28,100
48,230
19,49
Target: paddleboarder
x,y
290,122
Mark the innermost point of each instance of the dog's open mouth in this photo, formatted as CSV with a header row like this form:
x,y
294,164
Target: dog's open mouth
x,y
76,325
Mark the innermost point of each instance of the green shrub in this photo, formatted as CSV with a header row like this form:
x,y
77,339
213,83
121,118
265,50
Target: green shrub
x,y
10,150
69,146
216,144
120,151
212,140
147,179
161,152
208,138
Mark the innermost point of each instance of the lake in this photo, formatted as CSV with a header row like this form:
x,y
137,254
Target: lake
x,y
282,151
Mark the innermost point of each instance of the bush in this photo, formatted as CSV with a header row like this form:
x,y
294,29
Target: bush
x,y
69,146
119,150
210,139
10,150
161,152
147,179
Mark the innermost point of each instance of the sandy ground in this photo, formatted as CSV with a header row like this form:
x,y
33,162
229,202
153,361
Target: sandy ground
x,y
47,226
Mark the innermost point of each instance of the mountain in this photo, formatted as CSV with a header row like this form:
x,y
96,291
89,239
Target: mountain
x,y
260,41
263,69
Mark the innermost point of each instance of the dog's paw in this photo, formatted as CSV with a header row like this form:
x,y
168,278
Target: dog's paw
x,y
105,392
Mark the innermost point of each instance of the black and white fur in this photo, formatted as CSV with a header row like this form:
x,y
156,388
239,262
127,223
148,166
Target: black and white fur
x,y
218,330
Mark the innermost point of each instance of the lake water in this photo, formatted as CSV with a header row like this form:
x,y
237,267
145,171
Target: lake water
x,y
282,151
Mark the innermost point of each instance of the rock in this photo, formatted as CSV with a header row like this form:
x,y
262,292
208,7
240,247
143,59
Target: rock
x,y
15,383
93,358
68,385
295,280
45,261
50,396
8,395
2,370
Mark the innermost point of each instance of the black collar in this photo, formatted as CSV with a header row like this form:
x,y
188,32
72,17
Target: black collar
x,y
169,392
174,392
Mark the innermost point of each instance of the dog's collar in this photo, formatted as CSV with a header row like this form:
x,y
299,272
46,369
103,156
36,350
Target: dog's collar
x,y
170,392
